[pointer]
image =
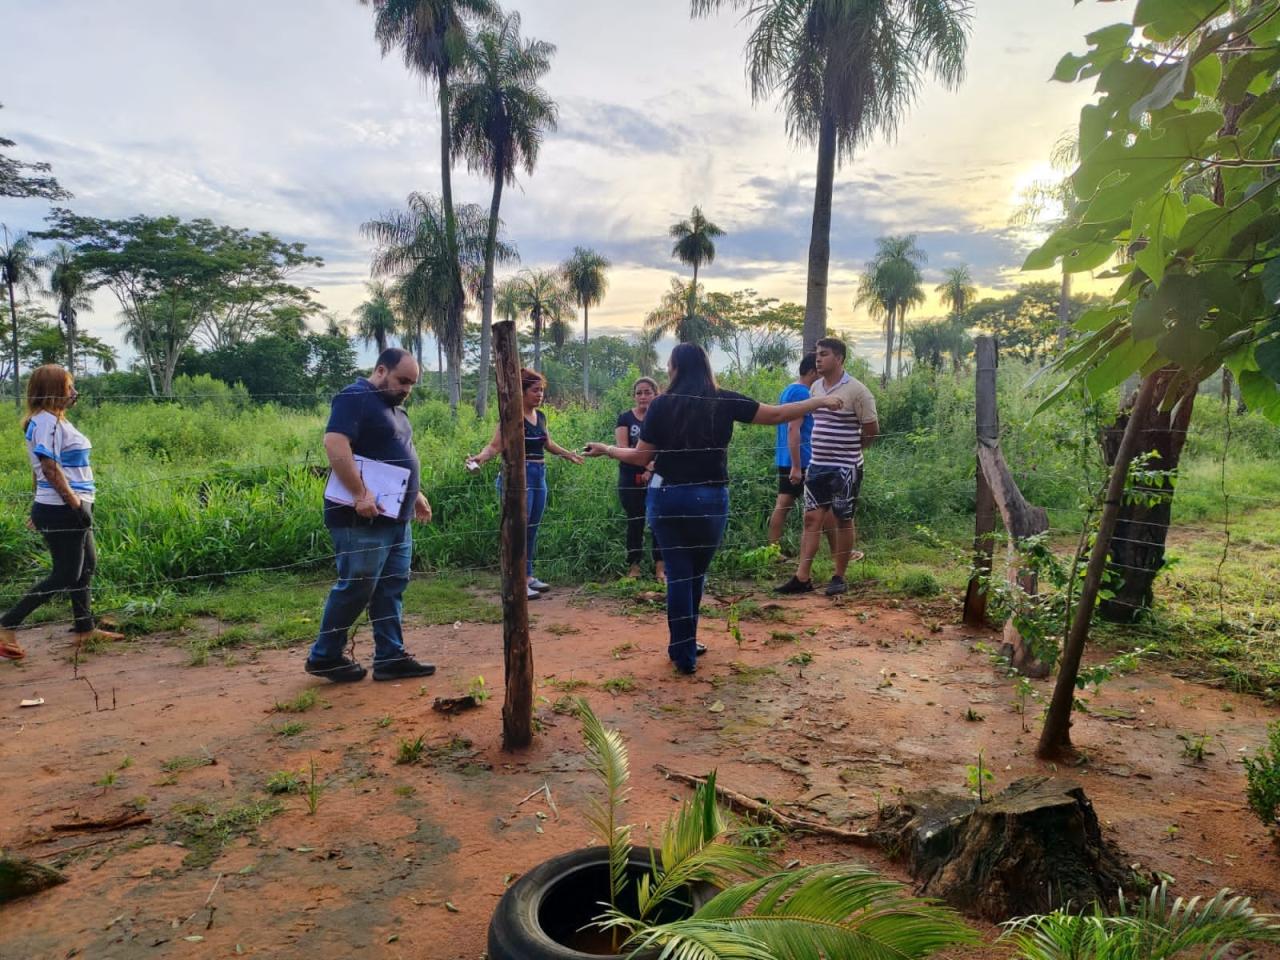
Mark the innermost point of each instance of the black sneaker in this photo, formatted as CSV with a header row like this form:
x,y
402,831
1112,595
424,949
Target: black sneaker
x,y
338,670
795,585
403,667
836,587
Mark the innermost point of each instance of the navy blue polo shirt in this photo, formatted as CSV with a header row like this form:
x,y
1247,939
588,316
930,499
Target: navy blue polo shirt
x,y
378,430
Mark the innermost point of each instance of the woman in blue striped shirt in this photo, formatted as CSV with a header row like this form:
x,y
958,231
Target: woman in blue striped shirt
x,y
63,508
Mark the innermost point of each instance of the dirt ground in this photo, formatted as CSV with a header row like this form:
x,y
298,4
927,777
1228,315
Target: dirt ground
x,y
408,861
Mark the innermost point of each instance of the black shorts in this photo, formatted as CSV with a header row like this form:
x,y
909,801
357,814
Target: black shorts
x,y
832,488
786,487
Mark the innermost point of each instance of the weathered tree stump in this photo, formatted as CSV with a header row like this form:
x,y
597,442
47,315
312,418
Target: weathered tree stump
x,y
21,878
1033,848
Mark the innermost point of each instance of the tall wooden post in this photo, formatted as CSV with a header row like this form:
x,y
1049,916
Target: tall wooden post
x,y
988,422
517,708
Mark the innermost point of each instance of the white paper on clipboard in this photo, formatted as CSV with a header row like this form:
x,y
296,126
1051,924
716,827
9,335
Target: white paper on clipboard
x,y
387,482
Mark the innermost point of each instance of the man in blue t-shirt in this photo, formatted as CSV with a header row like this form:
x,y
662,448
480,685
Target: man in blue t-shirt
x,y
792,449
372,548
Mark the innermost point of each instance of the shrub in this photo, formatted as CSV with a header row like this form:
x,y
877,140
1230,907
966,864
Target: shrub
x,y
1262,775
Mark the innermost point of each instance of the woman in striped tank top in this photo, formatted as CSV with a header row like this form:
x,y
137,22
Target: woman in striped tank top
x,y
63,508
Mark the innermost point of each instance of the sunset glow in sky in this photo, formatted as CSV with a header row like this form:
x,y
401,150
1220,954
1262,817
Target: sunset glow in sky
x,y
283,116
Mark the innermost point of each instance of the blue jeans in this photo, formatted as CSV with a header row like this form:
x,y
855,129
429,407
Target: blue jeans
x,y
535,503
688,522
373,571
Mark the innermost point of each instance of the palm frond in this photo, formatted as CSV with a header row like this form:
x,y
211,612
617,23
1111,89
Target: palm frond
x,y
1156,930
607,756
823,911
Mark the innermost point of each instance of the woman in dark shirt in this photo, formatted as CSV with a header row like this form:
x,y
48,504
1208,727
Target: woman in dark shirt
x,y
536,441
686,434
634,481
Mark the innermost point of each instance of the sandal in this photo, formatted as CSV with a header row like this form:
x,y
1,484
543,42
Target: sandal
x,y
10,649
97,633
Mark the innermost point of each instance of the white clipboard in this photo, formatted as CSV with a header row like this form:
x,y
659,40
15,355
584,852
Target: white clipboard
x,y
387,482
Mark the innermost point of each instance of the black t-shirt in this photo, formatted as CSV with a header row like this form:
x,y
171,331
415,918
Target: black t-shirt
x,y
378,430
692,435
535,437
626,472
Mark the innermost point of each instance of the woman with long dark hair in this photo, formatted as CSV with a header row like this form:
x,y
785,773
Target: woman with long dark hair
x,y
63,507
686,434
537,443
633,482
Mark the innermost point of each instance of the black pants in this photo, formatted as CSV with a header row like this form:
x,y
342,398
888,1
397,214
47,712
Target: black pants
x,y
633,504
69,536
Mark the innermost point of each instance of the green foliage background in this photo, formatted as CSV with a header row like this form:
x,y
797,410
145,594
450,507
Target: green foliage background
x,y
194,490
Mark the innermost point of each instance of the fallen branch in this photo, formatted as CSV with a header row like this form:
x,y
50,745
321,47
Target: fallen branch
x,y
745,804
120,821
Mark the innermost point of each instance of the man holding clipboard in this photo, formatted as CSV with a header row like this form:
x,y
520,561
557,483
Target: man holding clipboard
x,y
371,496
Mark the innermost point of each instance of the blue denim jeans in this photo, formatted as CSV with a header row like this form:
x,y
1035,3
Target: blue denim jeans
x,y
535,502
688,523
373,571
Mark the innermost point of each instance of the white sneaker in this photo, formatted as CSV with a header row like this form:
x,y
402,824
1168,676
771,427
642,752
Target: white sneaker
x,y
533,594
536,584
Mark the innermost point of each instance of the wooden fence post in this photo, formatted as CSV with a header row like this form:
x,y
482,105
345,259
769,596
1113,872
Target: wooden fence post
x,y
517,708
988,424
997,490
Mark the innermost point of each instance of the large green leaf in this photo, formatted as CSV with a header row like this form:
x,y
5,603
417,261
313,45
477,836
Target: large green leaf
x,y
1117,175
1207,235
1118,365
1164,19
1180,297
1173,78
1267,356
1160,220
1271,281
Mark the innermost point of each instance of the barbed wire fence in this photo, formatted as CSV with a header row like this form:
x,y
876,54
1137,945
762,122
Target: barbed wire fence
x,y
744,535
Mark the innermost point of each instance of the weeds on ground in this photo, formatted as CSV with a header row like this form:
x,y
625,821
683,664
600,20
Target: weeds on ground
x,y
205,832
1194,746
623,684
283,782
1262,778
303,702
410,751
291,729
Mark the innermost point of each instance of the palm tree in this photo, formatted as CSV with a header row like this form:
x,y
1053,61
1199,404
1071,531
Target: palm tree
x,y
1046,205
432,37
702,325
646,351
419,314
957,290
18,266
542,295
413,245
889,286
69,286
499,117
846,71
584,272
376,319
694,245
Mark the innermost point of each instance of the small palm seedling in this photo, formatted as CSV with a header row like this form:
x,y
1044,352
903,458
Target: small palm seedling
x,y
1156,928
835,910
314,787
977,776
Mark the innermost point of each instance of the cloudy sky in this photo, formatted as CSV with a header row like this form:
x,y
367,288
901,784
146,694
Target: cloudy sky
x,y
281,115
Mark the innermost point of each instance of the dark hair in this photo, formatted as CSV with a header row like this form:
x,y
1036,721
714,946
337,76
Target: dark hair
x,y
808,364
650,381
391,357
835,346
692,376
530,379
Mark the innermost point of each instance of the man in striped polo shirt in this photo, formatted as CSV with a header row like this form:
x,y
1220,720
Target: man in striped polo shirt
x,y
834,477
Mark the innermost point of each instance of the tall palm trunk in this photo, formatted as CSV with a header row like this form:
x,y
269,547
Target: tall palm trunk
x,y
453,318
537,340
69,322
486,308
889,326
586,356
693,294
439,364
380,338
13,319
815,304
902,335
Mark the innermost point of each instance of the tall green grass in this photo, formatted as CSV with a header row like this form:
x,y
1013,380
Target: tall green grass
x,y
191,493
